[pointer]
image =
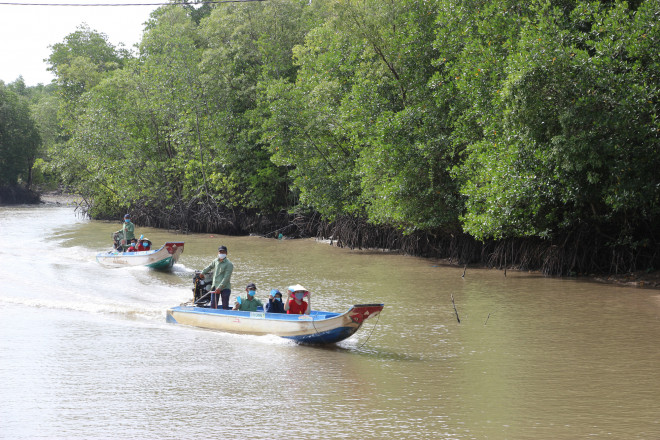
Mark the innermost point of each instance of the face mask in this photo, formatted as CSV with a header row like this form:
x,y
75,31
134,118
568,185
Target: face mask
x,y
222,255
299,295
251,292
127,220
278,299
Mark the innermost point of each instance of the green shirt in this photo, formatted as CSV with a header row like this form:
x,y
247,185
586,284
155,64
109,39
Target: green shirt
x,y
129,231
221,273
249,305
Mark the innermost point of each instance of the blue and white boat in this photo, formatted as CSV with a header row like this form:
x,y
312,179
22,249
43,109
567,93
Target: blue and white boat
x,y
317,328
160,259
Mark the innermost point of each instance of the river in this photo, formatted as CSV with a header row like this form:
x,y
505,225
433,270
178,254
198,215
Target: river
x,y
85,352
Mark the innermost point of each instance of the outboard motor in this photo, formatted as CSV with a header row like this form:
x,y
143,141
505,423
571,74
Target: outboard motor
x,y
201,290
116,239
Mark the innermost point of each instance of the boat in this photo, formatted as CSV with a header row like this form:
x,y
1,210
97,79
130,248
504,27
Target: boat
x,y
160,259
317,328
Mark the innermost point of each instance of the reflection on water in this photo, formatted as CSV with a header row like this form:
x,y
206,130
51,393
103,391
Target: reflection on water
x,y
86,352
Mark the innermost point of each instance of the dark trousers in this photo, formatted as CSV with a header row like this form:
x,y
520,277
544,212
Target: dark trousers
x,y
224,297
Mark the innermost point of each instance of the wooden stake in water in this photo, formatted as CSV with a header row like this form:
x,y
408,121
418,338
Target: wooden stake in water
x,y
455,311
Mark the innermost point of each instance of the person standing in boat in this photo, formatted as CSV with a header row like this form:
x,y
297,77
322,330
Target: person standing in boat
x,y
294,304
221,284
250,302
275,304
127,231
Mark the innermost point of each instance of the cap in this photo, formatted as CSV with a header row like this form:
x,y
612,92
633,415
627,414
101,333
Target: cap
x,y
222,248
251,286
127,216
274,292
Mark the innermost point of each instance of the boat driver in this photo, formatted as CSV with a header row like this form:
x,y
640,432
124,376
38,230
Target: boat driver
x,y
222,269
127,231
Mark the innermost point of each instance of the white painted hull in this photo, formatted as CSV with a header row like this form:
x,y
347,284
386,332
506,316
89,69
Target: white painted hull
x,y
162,258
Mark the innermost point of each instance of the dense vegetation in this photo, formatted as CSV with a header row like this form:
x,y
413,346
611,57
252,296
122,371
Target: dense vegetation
x,y
493,131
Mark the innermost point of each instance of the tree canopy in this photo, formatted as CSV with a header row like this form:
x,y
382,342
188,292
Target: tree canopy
x,y
493,119
19,137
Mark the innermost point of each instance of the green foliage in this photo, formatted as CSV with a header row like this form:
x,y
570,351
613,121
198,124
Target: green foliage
x,y
82,60
577,142
19,138
507,119
246,46
361,123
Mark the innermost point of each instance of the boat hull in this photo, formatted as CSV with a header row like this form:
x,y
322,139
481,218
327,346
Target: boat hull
x,y
315,329
159,259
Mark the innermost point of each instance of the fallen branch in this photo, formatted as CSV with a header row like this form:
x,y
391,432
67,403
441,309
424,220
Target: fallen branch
x,y
455,311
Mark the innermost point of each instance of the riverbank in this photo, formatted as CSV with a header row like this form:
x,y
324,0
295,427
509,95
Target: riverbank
x,y
60,198
17,195
639,279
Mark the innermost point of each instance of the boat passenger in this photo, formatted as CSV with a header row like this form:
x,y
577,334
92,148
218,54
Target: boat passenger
x,y
133,247
221,284
248,303
294,304
127,231
143,245
275,304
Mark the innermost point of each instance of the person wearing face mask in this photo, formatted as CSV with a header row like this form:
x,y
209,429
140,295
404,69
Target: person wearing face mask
x,y
222,269
294,304
133,246
249,303
143,245
275,304
127,231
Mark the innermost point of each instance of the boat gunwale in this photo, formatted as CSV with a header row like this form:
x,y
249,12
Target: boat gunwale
x,y
273,316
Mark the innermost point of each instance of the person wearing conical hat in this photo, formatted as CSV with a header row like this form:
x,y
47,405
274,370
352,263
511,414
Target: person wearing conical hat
x,y
144,244
294,304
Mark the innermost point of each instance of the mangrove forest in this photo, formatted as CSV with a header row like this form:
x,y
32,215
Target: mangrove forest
x,y
497,132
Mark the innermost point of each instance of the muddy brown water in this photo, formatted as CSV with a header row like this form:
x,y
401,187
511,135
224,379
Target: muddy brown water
x,y
85,351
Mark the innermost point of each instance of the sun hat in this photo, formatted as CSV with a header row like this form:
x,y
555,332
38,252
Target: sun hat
x,y
298,287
